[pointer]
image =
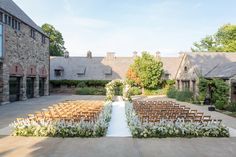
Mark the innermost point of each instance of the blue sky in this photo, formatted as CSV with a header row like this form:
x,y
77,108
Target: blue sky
x,y
124,26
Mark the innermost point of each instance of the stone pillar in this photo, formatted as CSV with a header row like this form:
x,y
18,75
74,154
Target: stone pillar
x,y
46,87
23,94
5,84
36,87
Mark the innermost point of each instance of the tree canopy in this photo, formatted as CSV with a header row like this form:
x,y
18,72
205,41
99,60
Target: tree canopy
x,y
224,40
56,40
146,71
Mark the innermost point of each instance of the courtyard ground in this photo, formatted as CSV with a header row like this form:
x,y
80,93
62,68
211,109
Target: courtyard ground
x,y
106,146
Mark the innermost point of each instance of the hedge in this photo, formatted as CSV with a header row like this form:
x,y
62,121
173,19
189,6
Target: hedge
x,y
83,83
91,91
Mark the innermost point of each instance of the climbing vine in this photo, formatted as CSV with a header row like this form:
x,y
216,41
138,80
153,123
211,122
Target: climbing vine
x,y
110,89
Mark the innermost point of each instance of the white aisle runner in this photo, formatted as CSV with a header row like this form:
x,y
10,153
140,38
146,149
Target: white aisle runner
x,y
118,126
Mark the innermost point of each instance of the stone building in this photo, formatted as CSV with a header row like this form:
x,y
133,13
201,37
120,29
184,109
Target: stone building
x,y
109,67
24,55
208,65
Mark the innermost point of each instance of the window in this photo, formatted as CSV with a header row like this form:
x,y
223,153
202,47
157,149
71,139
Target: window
x,y
186,84
185,69
43,39
5,19
9,21
58,73
1,17
32,33
18,26
1,40
13,23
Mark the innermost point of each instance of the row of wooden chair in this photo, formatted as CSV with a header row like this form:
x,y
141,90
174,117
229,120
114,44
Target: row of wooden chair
x,y
70,111
155,111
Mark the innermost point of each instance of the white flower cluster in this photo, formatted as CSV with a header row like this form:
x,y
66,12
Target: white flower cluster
x,y
26,127
167,128
110,89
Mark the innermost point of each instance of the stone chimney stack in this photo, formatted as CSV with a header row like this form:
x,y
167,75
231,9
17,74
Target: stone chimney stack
x,y
135,54
110,55
66,54
158,55
89,54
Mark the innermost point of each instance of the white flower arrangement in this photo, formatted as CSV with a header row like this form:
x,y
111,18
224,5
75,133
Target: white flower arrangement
x,y
167,128
26,127
110,89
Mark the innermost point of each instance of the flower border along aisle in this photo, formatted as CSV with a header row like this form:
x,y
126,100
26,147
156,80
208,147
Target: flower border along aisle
x,y
63,128
167,128
110,89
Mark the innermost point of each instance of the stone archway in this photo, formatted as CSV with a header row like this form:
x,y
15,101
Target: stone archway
x,y
110,89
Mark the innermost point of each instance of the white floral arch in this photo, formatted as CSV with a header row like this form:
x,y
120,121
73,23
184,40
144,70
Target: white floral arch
x,y
110,89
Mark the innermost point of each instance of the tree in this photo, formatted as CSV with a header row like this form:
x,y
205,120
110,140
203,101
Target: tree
x,y
56,40
146,71
224,40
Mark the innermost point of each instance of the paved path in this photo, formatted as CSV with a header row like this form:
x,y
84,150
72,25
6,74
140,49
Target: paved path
x,y
9,112
118,126
116,147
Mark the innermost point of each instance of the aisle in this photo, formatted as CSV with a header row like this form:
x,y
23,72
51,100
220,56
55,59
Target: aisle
x,y
118,126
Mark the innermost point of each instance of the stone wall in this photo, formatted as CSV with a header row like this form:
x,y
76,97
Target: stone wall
x,y
21,49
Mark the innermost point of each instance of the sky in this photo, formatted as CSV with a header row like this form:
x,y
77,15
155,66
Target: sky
x,y
125,26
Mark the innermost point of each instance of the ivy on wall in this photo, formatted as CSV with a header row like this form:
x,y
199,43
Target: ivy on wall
x,y
217,88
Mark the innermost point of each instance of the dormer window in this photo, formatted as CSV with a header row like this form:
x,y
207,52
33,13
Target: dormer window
x,y
108,71
59,71
81,71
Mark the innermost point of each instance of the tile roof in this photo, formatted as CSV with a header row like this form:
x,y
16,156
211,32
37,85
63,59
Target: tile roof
x,y
225,70
10,7
103,68
204,62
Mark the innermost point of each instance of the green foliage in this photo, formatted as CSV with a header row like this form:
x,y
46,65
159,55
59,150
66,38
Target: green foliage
x,y
231,107
77,83
220,91
185,96
81,84
148,70
135,91
172,92
114,84
161,91
224,40
91,91
56,40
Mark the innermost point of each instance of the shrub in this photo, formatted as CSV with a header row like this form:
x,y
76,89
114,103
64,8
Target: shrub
x,y
135,91
167,128
231,107
185,95
172,92
88,83
44,128
220,104
91,91
81,84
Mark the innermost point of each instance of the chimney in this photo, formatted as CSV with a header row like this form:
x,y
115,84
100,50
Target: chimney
x,y
89,54
66,54
110,55
135,54
158,56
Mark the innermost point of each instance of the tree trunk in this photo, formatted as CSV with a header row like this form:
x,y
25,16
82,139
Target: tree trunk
x,y
143,93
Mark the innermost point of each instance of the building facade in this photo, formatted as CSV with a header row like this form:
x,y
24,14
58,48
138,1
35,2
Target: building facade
x,y
24,55
208,65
